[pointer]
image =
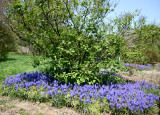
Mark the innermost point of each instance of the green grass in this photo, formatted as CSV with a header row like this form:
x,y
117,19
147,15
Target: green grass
x,y
21,109
40,114
15,64
3,102
24,113
42,107
64,113
12,106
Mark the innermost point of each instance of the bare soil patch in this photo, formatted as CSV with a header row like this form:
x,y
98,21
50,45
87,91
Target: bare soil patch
x,y
152,77
15,107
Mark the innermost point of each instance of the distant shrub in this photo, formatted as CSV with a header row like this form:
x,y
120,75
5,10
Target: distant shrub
x,y
132,56
6,41
152,56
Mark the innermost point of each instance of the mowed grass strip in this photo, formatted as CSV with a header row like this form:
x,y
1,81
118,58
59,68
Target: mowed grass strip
x,y
15,64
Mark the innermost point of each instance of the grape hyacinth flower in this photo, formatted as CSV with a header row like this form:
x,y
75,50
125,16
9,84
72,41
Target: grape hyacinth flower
x,y
130,95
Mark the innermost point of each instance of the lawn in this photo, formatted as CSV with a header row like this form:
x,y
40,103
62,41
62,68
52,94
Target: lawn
x,y
16,63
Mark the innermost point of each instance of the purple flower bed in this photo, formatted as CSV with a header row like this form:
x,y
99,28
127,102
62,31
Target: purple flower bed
x,y
132,96
142,67
148,64
157,65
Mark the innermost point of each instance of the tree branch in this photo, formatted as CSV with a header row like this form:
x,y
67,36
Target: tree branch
x,y
66,4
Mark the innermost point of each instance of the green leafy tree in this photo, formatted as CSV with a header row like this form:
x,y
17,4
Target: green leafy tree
x,y
138,42
123,23
3,5
148,37
67,32
120,36
6,41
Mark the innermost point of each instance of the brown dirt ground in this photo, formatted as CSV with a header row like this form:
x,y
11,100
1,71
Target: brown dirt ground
x,y
16,107
148,76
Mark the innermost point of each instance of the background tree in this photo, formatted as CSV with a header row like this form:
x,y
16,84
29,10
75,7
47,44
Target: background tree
x,y
6,41
148,37
121,34
134,40
139,40
3,6
7,38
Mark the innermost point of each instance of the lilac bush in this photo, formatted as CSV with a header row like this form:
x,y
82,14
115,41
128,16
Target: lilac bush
x,y
130,96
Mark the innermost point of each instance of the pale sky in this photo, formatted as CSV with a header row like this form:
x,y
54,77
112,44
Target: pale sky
x,y
149,8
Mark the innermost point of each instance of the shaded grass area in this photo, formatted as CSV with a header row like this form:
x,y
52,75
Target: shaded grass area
x,y
15,64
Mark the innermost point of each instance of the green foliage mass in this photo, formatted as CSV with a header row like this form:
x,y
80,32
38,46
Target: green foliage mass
x,y
6,41
139,40
148,40
70,33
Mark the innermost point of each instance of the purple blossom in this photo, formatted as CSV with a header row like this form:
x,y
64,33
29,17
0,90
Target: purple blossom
x,y
130,95
147,66
157,65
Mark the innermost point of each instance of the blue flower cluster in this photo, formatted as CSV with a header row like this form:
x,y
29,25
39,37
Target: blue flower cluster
x,y
158,66
26,80
109,78
142,67
119,96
